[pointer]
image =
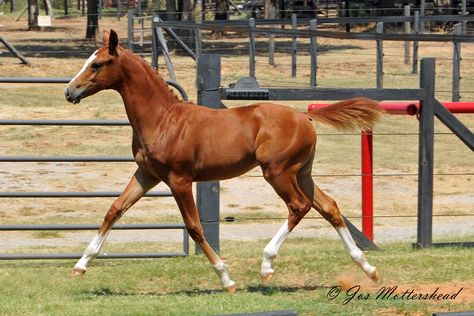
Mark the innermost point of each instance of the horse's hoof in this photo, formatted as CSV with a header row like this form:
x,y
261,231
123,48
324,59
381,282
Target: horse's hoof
x,y
77,272
231,289
375,276
267,277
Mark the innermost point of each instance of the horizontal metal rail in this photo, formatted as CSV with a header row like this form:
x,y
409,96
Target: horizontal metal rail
x,y
40,256
66,159
37,256
347,20
325,94
174,84
33,80
98,194
319,33
88,227
65,122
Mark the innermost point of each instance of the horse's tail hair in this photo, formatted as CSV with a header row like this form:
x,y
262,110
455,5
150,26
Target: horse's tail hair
x,y
357,113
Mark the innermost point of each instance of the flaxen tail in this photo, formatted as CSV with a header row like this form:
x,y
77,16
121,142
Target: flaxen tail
x,y
356,113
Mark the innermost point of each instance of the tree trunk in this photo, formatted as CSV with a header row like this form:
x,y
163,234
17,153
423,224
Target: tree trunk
x,y
92,27
222,10
33,12
186,7
271,7
222,14
171,10
187,10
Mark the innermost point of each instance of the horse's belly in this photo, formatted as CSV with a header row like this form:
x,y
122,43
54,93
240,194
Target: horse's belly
x,y
224,169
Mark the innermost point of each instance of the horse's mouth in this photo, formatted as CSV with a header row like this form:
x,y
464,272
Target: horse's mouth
x,y
73,99
76,100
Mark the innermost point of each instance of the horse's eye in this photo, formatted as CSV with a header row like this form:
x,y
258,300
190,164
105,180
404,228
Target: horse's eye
x,y
96,66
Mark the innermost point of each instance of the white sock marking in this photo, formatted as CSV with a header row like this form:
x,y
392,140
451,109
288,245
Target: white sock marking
x,y
223,275
91,252
271,250
356,254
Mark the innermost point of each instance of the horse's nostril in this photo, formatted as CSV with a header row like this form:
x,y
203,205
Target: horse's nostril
x,y
66,92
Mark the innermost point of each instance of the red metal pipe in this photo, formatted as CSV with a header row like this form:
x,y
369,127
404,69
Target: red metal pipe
x,y
367,186
400,108
411,108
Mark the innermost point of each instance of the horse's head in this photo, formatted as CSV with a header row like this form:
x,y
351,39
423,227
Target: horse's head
x,y
100,72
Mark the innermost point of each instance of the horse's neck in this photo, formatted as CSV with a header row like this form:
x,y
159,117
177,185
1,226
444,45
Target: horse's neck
x,y
145,95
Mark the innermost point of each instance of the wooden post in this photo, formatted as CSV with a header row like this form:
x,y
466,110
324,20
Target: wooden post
x,y
379,79
293,45
425,158
406,10
416,27
130,29
271,37
456,64
198,40
207,193
422,14
313,24
252,49
464,12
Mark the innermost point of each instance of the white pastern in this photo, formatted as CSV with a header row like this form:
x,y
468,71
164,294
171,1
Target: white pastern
x,y
91,252
223,275
271,250
356,254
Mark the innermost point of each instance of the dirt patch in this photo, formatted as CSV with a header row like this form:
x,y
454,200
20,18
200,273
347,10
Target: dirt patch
x,y
257,209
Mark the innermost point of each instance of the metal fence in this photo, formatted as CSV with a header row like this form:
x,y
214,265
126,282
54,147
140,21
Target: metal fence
x,y
42,194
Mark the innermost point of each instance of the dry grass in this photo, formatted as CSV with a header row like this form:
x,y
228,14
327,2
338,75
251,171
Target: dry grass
x,y
341,64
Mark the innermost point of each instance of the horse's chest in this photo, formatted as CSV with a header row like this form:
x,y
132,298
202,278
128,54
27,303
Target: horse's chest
x,y
149,159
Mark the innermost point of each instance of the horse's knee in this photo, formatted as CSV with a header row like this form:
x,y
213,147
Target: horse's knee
x,y
298,209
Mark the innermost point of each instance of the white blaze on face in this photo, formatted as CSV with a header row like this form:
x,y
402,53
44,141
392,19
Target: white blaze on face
x,y
84,67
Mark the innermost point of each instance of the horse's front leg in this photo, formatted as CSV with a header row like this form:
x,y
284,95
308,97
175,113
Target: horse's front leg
x,y
182,192
136,188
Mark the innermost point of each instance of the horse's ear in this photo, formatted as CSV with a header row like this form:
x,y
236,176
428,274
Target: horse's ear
x,y
113,42
105,38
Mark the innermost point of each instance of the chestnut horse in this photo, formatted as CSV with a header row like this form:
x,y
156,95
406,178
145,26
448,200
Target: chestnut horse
x,y
179,143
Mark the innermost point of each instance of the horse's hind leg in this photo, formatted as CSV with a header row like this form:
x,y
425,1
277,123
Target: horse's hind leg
x,y
136,188
327,207
286,186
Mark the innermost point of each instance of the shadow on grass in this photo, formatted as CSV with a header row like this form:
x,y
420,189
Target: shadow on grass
x,y
264,290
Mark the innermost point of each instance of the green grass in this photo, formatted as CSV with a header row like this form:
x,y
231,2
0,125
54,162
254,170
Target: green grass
x,y
305,272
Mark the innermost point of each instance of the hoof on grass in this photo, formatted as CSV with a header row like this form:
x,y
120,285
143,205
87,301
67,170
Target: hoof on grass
x,y
267,277
375,276
231,289
77,272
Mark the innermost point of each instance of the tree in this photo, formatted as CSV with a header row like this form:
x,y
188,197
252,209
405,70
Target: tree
x,y
33,12
92,27
222,10
222,14
171,10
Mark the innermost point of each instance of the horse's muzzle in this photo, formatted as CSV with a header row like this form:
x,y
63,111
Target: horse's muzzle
x,y
70,97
